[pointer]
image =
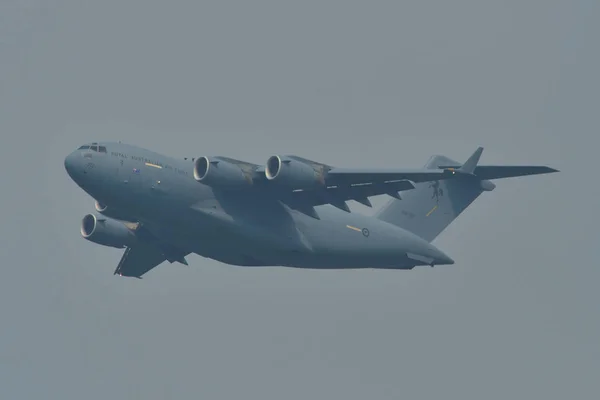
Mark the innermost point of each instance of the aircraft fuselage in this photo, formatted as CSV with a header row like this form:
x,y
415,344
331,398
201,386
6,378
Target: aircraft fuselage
x,y
241,228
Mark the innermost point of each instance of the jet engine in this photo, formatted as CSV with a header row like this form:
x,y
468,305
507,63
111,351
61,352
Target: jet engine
x,y
220,173
112,213
106,231
292,173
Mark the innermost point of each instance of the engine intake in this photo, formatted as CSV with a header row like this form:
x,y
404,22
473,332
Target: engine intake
x,y
106,231
101,208
219,173
112,212
292,173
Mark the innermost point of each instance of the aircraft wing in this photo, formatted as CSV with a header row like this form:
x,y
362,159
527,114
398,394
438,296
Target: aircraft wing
x,y
337,185
338,195
141,258
342,184
355,176
303,184
348,176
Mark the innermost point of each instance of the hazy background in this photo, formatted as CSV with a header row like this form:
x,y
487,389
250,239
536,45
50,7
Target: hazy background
x,y
351,83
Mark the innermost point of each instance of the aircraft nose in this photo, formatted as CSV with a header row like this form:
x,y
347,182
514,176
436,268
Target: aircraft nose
x,y
70,163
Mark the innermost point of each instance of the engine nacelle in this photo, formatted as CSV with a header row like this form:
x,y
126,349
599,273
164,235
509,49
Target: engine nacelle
x,y
106,231
112,213
220,174
293,173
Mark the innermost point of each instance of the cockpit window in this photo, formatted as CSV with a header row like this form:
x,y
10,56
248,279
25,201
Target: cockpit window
x,y
93,147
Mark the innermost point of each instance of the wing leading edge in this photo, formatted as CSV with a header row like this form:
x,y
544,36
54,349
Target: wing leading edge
x,y
339,185
359,184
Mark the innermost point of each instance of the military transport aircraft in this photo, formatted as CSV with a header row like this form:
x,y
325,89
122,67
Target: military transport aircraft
x,y
289,212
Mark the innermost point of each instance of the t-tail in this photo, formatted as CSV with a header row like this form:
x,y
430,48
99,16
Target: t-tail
x,y
430,207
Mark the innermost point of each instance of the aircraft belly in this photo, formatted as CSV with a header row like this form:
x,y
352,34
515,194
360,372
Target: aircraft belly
x,y
343,240
348,240
223,229
207,230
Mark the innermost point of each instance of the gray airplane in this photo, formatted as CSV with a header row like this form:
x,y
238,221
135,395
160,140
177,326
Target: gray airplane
x,y
290,212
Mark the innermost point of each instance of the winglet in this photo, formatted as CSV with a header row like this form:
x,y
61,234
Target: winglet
x,y
469,166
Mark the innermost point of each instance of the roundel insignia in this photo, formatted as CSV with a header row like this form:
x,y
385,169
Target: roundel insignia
x,y
365,232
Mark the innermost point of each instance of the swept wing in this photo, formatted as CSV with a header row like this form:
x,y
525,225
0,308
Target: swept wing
x,y
303,184
307,183
339,185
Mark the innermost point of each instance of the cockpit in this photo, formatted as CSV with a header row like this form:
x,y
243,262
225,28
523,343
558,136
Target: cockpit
x,y
93,147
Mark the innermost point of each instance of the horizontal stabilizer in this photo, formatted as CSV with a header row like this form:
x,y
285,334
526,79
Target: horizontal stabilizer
x,y
431,206
506,171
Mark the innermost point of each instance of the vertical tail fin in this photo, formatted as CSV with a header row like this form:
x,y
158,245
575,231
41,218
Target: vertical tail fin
x,y
430,207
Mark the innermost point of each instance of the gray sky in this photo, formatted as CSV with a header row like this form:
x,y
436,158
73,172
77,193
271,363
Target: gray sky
x,y
351,83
